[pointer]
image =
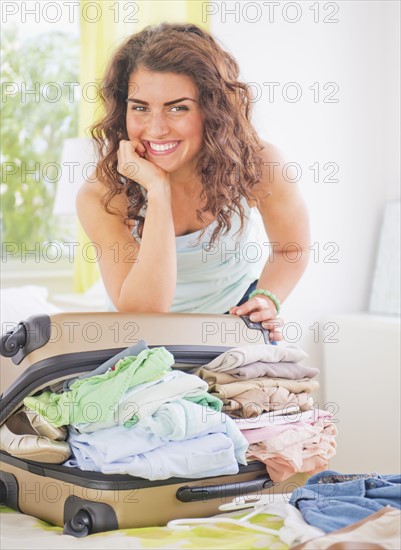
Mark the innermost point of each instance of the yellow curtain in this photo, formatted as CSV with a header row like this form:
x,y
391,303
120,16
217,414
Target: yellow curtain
x,y
103,25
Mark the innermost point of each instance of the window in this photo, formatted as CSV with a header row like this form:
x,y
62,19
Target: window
x,y
40,75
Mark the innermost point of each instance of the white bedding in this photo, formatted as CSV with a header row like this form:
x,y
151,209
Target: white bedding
x,y
22,531
19,303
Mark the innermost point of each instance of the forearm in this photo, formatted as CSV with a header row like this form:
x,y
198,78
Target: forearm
x,y
150,284
282,273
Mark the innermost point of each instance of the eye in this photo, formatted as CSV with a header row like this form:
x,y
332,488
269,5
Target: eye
x,y
180,108
138,108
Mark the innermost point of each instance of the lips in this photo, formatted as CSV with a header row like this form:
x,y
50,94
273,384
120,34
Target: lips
x,y
161,148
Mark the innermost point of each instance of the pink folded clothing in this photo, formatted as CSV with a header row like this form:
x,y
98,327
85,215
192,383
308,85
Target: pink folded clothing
x,y
296,450
280,469
287,415
292,422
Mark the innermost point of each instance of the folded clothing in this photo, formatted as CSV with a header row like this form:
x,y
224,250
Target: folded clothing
x,y
200,457
296,449
144,400
287,415
254,402
100,395
282,369
297,422
173,421
134,389
181,419
109,364
234,388
244,355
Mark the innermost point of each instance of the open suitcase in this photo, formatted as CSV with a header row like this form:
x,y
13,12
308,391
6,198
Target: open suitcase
x,y
44,350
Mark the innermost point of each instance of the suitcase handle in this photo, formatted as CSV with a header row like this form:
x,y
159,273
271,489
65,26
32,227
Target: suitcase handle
x,y
26,337
258,326
207,492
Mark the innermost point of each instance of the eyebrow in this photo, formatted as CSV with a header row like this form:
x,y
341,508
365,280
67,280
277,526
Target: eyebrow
x,y
141,102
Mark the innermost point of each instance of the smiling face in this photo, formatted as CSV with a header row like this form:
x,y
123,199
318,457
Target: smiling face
x,y
164,113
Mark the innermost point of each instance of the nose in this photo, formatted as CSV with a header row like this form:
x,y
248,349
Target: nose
x,y
158,125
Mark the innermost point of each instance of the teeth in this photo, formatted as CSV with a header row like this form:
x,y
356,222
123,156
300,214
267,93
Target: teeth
x,y
164,147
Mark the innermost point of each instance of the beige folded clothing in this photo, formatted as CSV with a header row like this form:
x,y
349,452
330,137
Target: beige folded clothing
x,y
225,386
244,355
226,391
282,369
252,403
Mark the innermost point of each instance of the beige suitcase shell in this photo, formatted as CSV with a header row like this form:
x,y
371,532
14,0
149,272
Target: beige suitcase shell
x,y
64,334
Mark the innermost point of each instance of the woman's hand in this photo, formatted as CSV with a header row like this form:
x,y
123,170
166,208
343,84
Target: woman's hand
x,y
133,165
261,310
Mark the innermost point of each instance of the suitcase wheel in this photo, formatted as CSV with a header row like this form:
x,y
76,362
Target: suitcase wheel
x,y
80,525
8,491
85,517
3,493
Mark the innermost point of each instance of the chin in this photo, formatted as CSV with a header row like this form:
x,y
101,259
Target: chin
x,y
166,166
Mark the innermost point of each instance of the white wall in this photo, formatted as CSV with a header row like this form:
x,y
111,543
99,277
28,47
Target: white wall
x,y
360,133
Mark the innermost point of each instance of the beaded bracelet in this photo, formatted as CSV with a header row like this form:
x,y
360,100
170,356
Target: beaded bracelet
x,y
270,295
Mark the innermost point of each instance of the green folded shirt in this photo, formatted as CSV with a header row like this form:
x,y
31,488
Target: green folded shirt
x,y
95,398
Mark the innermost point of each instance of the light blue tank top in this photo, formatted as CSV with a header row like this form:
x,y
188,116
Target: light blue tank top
x,y
211,279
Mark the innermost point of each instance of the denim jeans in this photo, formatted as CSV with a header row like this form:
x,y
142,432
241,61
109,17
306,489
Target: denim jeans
x,y
245,297
330,500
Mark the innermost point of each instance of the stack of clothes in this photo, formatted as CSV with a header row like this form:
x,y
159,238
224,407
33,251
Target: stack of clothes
x,y
268,392
142,418
136,415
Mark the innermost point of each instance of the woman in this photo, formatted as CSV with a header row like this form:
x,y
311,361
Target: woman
x,y
181,178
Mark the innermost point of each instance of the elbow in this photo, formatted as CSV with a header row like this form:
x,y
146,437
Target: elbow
x,y
129,301
306,254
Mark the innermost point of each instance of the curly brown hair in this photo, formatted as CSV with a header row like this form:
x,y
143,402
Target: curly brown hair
x,y
229,164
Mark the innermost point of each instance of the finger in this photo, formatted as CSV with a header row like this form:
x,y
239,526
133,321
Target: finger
x,y
124,145
122,153
252,305
268,314
128,148
138,147
275,336
129,160
273,323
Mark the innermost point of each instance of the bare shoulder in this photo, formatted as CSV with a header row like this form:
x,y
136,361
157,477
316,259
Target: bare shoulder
x,y
273,161
271,153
